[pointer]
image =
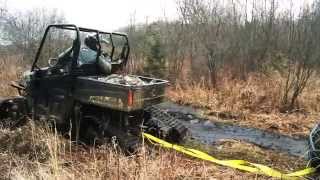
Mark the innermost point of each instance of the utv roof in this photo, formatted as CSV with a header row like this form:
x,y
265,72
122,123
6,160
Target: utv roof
x,y
74,27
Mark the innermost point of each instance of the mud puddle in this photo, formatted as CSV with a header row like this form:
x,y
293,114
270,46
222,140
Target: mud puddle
x,y
209,132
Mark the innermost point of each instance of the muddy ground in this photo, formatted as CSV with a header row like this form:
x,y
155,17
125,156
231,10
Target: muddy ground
x,y
210,132
229,141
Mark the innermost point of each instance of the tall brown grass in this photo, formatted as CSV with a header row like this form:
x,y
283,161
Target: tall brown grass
x,y
11,69
257,94
254,102
37,152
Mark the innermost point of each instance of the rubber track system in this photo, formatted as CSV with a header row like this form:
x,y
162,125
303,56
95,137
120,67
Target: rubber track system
x,y
162,124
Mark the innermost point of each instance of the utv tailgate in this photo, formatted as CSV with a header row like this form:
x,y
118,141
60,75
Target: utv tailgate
x,y
94,90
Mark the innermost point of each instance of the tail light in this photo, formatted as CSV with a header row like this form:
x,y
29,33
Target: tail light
x,y
130,98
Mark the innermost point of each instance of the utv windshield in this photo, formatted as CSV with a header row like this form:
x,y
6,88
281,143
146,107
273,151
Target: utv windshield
x,y
57,43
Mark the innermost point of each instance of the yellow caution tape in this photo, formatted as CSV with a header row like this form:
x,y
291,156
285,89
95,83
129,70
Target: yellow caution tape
x,y
237,164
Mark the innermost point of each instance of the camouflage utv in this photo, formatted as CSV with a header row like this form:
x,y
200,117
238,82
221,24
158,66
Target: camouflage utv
x,y
76,83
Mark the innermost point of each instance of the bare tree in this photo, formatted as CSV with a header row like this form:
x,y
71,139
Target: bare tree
x,y
242,38
203,22
25,29
303,53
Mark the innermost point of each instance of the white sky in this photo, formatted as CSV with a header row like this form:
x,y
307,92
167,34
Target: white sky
x,y
103,14
109,15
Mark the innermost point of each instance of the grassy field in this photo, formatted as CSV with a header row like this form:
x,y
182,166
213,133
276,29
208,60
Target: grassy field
x,y
36,152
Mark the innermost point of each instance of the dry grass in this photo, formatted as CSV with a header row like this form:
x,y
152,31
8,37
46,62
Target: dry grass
x,y
34,152
10,70
252,103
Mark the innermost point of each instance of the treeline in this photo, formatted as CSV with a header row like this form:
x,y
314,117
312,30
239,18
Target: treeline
x,y
213,39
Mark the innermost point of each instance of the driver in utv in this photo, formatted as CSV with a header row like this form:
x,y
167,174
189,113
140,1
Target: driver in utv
x,y
88,55
87,60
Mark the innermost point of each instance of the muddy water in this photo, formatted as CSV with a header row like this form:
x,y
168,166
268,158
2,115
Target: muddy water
x,y
210,132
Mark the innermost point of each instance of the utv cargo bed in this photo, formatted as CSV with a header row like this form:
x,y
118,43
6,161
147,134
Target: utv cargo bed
x,y
124,93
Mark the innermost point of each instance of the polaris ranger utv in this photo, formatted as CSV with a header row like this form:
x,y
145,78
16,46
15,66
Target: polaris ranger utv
x,y
76,83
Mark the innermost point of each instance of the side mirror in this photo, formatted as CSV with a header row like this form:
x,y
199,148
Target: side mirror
x,y
52,62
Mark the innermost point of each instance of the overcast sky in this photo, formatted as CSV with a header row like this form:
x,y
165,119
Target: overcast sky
x,y
102,14
109,15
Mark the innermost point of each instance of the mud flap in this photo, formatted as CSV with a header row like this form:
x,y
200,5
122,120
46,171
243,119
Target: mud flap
x,y
13,111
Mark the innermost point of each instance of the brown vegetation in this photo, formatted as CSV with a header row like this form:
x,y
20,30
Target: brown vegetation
x,y
254,103
35,152
10,69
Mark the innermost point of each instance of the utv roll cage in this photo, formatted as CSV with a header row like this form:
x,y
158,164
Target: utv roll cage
x,y
77,43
